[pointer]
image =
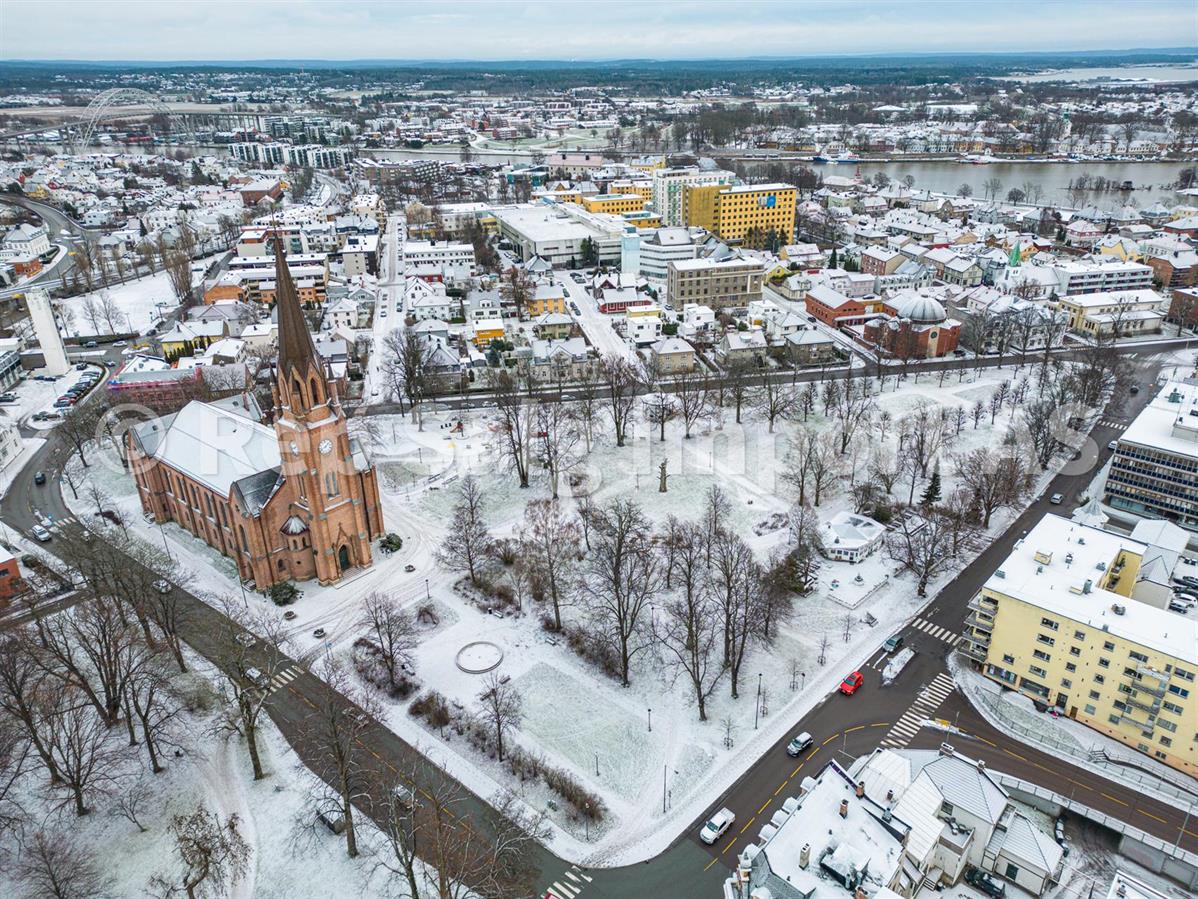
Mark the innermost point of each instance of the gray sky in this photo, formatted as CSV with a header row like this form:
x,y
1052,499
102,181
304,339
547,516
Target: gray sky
x,y
565,29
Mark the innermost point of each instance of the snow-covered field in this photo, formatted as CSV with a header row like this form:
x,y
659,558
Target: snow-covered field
x,y
132,306
574,717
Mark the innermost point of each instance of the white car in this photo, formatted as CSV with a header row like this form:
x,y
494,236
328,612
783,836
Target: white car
x,y
245,639
1056,499
163,587
41,533
717,826
1113,445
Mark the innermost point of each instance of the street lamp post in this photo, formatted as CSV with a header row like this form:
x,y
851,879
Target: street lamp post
x,y
427,595
650,720
586,817
803,675
757,706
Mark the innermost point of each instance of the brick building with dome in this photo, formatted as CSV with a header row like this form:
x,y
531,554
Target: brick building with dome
x,y
911,325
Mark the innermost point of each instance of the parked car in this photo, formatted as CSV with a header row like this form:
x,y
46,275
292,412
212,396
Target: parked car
x,y
1183,596
246,639
90,344
289,615
852,683
1056,499
980,880
121,343
319,633
8,397
1186,580
717,825
1181,607
894,644
162,586
255,676
1113,445
799,743
81,366
39,478
41,533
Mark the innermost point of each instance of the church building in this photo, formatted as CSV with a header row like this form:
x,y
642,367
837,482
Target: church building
x,y
294,500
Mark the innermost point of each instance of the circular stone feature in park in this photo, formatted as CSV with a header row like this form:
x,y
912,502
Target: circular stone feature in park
x,y
479,657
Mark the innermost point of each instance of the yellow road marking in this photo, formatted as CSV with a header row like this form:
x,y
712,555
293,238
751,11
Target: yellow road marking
x,y
858,727
748,824
830,739
1113,799
1152,816
764,805
781,787
812,755
1015,755
797,770
731,843
712,862
881,724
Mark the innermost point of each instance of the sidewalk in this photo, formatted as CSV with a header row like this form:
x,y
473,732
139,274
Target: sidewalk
x,y
1085,747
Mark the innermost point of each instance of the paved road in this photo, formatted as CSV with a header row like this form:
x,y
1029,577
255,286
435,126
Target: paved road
x,y
843,726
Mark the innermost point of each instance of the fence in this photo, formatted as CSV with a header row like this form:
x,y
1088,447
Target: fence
x,y
1126,769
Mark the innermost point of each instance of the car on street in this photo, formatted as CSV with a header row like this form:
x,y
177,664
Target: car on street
x,y
121,343
1113,445
246,639
799,743
893,644
404,797
1056,499
409,568
39,478
1133,390
40,533
255,676
319,633
1186,580
852,683
717,825
162,586
90,344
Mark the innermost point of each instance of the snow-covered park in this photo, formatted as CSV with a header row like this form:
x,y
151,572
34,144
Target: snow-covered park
x,y
573,717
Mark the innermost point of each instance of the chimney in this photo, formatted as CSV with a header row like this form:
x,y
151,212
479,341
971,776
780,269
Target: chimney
x,y
890,795
860,789
981,765
946,749
844,808
805,856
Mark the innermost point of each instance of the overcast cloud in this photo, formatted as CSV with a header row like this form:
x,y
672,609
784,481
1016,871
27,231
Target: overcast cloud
x,y
594,29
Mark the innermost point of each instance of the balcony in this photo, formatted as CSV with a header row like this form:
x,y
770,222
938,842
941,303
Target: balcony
x,y
980,622
973,647
1156,674
1144,705
983,604
1146,726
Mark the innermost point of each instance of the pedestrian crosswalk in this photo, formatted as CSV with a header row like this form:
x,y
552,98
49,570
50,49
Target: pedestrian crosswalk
x,y
570,885
930,698
282,679
1112,422
940,633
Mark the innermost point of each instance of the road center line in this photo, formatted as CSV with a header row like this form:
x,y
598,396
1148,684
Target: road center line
x,y
827,741
1112,798
748,824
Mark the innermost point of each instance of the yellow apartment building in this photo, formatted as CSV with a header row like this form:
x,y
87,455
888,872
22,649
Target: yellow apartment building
x,y
641,186
1059,622
614,203
733,211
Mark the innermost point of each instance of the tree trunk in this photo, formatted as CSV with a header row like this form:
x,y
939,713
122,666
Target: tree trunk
x,y
150,748
251,742
351,838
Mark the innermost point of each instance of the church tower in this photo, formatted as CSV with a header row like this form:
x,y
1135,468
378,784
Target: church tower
x,y
333,492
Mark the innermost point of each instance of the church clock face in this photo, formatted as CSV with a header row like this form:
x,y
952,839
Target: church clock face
x,y
326,447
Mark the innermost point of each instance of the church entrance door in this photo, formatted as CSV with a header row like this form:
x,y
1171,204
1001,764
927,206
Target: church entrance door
x,y
343,557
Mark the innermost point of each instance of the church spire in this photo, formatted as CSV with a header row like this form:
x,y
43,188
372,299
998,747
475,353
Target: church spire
x,y
299,373
297,353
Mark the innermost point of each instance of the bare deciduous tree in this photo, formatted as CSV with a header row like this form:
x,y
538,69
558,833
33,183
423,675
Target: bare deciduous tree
x,y
514,422
693,395
557,435
623,575
550,544
689,629
54,864
391,629
500,708
621,380
923,545
212,855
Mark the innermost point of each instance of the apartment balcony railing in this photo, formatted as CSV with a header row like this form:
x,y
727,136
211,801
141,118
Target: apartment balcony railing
x,y
980,622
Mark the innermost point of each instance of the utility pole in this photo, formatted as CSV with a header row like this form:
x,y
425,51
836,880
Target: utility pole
x,y
757,707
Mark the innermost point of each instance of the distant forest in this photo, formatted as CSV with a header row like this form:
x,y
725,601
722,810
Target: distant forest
x,y
637,77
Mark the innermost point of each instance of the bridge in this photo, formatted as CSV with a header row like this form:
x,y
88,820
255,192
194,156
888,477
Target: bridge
x,y
79,125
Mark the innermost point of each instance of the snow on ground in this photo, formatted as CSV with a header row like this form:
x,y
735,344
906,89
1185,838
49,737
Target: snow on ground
x,y
138,303
288,858
574,717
